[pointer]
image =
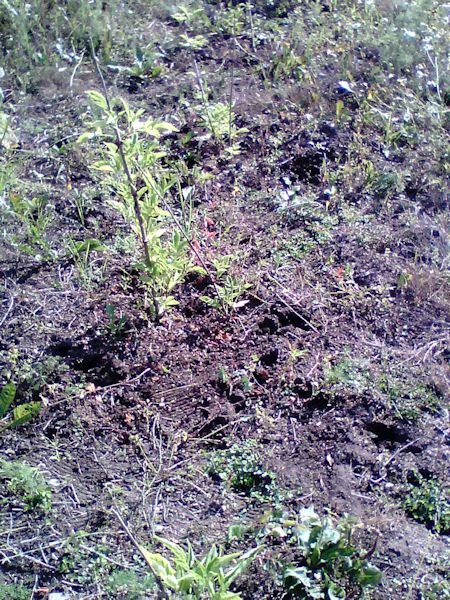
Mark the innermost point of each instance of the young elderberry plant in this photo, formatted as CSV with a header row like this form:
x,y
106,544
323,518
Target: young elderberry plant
x,y
138,187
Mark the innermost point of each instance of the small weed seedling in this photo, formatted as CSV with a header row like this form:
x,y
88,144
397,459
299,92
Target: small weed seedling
x,y
218,118
128,584
241,469
81,253
198,578
14,591
116,324
228,289
18,415
428,502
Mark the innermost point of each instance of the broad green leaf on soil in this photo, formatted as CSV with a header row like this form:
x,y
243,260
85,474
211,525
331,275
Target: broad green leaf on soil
x,y
370,575
24,413
7,395
185,582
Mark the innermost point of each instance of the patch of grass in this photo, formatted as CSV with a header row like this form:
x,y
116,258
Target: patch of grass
x,y
25,484
38,33
428,501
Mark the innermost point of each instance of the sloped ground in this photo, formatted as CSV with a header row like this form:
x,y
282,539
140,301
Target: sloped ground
x,y
333,208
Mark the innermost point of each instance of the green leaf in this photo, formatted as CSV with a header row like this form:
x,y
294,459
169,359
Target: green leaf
x,y
185,582
369,576
98,99
84,137
24,413
178,552
7,396
88,245
242,565
161,567
103,166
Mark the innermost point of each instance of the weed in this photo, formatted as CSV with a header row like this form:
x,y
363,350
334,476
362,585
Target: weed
x,y
437,590
232,20
85,561
27,485
229,290
82,203
186,15
408,400
427,501
81,253
195,42
7,136
145,63
241,469
36,33
195,578
218,118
